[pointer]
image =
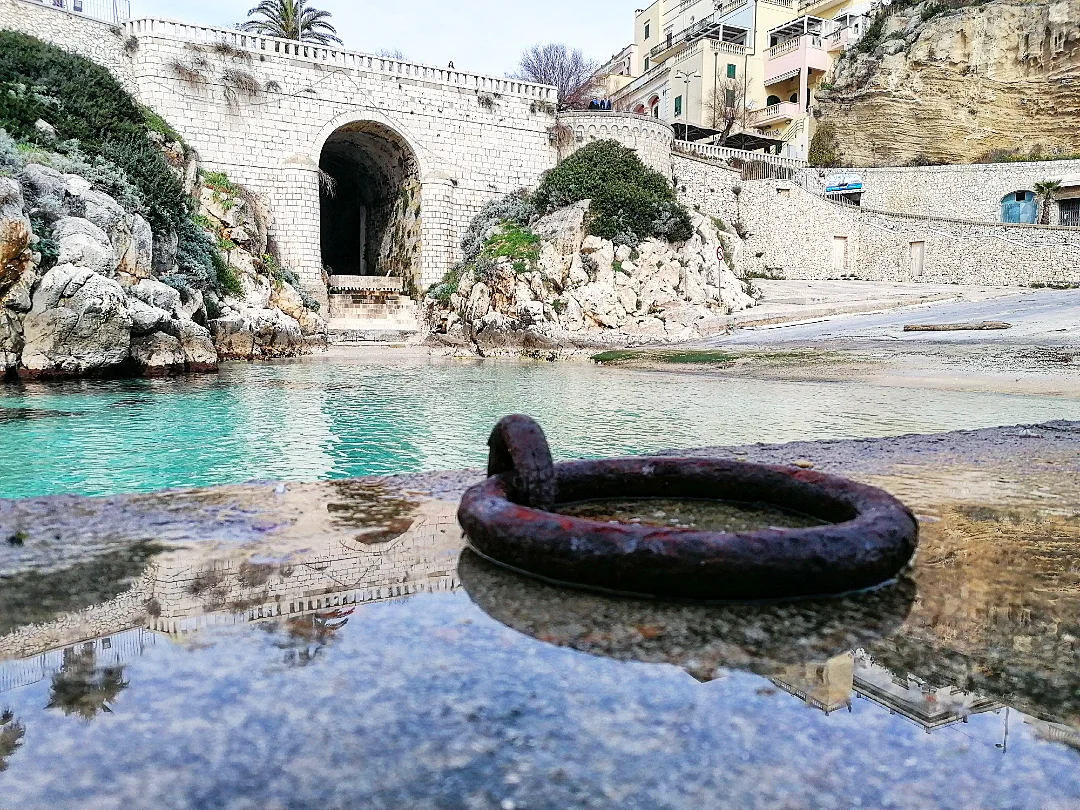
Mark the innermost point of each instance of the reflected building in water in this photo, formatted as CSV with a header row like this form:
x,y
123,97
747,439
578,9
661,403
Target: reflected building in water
x,y
408,549
833,685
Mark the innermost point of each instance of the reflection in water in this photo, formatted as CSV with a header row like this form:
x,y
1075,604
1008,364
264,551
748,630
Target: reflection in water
x,y
305,637
82,687
11,734
702,639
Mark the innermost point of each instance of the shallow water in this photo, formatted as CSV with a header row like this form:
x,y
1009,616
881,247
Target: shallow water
x,y
288,664
339,416
688,513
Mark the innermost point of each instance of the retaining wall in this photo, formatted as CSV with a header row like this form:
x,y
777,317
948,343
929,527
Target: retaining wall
x,y
970,191
791,233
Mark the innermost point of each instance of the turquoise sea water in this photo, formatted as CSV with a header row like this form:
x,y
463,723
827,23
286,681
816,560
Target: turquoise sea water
x,y
339,416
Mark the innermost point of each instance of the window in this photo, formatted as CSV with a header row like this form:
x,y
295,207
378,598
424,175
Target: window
x,y
1070,212
648,30
729,97
731,71
794,98
647,60
772,100
678,105
656,111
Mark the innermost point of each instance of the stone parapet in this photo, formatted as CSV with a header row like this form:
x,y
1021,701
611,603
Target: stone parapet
x,y
651,138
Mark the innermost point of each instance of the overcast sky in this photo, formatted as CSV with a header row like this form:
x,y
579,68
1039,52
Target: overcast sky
x,y
483,36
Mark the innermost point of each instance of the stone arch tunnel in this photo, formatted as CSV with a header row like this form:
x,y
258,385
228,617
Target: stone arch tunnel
x,y
370,203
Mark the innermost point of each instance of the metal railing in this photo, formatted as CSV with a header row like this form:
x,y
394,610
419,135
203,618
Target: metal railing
x,y
729,7
110,11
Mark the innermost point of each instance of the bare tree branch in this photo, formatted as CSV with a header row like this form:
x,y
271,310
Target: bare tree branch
x,y
724,110
567,70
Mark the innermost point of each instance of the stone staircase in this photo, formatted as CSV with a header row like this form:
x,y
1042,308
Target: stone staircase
x,y
371,309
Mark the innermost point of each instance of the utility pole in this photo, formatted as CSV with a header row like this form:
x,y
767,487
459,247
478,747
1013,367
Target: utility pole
x,y
686,77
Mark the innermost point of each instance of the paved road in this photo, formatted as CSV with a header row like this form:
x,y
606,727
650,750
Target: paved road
x,y
1044,317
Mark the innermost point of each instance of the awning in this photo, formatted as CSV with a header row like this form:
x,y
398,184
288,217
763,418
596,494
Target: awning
x,y
692,132
783,77
1069,181
751,143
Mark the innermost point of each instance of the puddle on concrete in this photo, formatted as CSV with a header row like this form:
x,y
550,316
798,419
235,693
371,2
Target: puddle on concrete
x,y
300,656
688,513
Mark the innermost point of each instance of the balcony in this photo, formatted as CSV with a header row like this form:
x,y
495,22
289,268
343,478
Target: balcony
x,y
794,56
840,40
774,114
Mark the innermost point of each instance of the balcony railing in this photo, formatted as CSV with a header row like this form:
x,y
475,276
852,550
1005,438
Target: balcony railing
x,y
784,111
730,6
811,41
780,3
111,11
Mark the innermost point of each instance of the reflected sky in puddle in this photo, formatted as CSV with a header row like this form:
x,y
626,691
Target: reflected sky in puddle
x,y
332,665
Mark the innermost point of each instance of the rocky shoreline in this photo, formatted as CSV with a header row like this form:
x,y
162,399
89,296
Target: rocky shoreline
x,y
83,289
583,292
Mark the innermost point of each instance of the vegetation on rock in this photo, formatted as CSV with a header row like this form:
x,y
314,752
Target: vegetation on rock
x,y
824,147
66,112
630,201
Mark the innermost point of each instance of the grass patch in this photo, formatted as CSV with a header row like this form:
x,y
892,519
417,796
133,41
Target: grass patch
x,y
673,356
516,243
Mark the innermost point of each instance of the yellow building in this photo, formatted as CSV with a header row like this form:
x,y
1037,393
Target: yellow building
x,y
740,71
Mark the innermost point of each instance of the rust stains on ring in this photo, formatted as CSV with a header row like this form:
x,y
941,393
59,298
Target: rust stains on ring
x,y
869,538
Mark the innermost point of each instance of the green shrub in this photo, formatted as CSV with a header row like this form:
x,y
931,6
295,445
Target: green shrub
x,y
103,135
227,279
513,208
824,147
442,291
872,33
515,242
46,246
630,201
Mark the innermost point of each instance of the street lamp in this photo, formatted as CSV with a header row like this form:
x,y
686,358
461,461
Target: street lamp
x,y
686,77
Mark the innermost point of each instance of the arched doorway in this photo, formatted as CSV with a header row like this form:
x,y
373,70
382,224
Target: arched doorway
x,y
370,203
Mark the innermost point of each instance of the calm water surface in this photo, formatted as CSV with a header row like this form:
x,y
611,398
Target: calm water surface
x,y
339,416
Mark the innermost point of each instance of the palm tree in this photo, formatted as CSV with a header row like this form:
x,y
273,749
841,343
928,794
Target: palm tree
x,y
292,19
1045,192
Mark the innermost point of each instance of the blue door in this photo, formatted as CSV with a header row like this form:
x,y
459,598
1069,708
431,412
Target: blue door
x,y
1020,207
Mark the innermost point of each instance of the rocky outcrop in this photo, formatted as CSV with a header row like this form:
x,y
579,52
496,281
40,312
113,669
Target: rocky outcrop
x,y
584,291
95,304
270,318
958,85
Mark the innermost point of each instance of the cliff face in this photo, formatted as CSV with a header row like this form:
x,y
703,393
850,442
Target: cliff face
x,y
952,86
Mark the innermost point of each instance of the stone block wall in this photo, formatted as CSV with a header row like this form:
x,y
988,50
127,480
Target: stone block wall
x,y
706,186
473,137
652,139
791,233
968,191
795,234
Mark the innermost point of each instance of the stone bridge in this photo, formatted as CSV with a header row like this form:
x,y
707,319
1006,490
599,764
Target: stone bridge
x,y
367,165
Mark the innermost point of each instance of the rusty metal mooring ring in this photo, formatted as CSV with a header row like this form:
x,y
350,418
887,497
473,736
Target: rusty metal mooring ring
x,y
870,536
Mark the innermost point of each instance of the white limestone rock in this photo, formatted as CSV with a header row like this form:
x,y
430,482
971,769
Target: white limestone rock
x,y
254,334
157,294
145,318
79,324
84,244
157,355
